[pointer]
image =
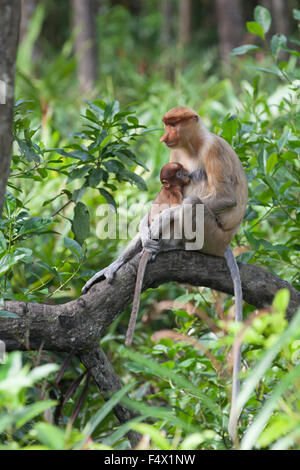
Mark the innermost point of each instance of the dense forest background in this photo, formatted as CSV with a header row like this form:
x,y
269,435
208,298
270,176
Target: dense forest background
x,y
93,81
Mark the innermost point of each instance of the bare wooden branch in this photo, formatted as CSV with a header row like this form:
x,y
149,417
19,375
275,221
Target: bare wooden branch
x,y
78,325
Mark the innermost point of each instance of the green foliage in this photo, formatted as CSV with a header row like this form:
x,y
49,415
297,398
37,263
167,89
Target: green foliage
x,y
16,413
26,424
98,159
48,246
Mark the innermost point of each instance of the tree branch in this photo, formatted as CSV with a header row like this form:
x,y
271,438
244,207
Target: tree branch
x,y
78,325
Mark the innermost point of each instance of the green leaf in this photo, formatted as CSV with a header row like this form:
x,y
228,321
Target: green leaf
x,y
35,224
244,49
98,106
281,300
81,223
255,28
79,155
104,411
78,193
95,177
263,69
296,14
3,244
230,128
133,120
111,110
10,259
91,116
27,149
105,141
135,179
40,372
73,246
51,436
113,166
255,429
263,17
50,269
277,42
263,365
165,373
157,437
6,422
283,140
124,159
78,173
271,162
26,414
109,198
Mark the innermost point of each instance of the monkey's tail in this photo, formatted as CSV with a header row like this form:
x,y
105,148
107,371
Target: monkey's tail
x,y
137,293
238,294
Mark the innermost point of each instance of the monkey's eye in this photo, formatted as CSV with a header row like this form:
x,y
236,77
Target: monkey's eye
x,y
173,124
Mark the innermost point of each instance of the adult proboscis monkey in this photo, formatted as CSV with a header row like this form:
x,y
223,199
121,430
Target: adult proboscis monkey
x,y
218,181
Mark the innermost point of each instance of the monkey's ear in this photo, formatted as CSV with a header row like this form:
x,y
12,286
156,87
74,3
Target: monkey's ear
x,y
165,183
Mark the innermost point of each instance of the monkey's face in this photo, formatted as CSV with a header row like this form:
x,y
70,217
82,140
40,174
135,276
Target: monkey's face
x,y
171,137
173,174
179,132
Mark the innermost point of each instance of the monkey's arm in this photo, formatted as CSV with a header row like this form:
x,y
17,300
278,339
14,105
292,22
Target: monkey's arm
x,y
162,221
219,205
141,240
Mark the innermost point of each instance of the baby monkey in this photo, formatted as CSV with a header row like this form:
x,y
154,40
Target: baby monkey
x,y
173,177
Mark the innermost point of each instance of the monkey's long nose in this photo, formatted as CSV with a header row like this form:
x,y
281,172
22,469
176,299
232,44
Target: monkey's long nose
x,y
164,138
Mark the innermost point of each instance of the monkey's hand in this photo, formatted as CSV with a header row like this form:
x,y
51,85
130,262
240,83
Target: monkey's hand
x,y
134,247
106,273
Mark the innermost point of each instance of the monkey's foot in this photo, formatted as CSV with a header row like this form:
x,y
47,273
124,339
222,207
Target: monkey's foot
x,y
106,273
153,246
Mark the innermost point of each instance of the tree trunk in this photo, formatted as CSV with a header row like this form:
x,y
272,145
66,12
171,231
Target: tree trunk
x,y
184,22
9,35
229,18
135,7
27,9
165,33
85,43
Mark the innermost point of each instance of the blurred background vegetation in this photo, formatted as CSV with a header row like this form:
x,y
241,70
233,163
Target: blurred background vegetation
x,y
94,79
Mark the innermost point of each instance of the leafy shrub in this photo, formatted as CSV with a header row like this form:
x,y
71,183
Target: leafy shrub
x,y
181,384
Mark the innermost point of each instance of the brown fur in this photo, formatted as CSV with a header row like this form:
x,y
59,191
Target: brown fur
x,y
179,114
224,192
170,195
